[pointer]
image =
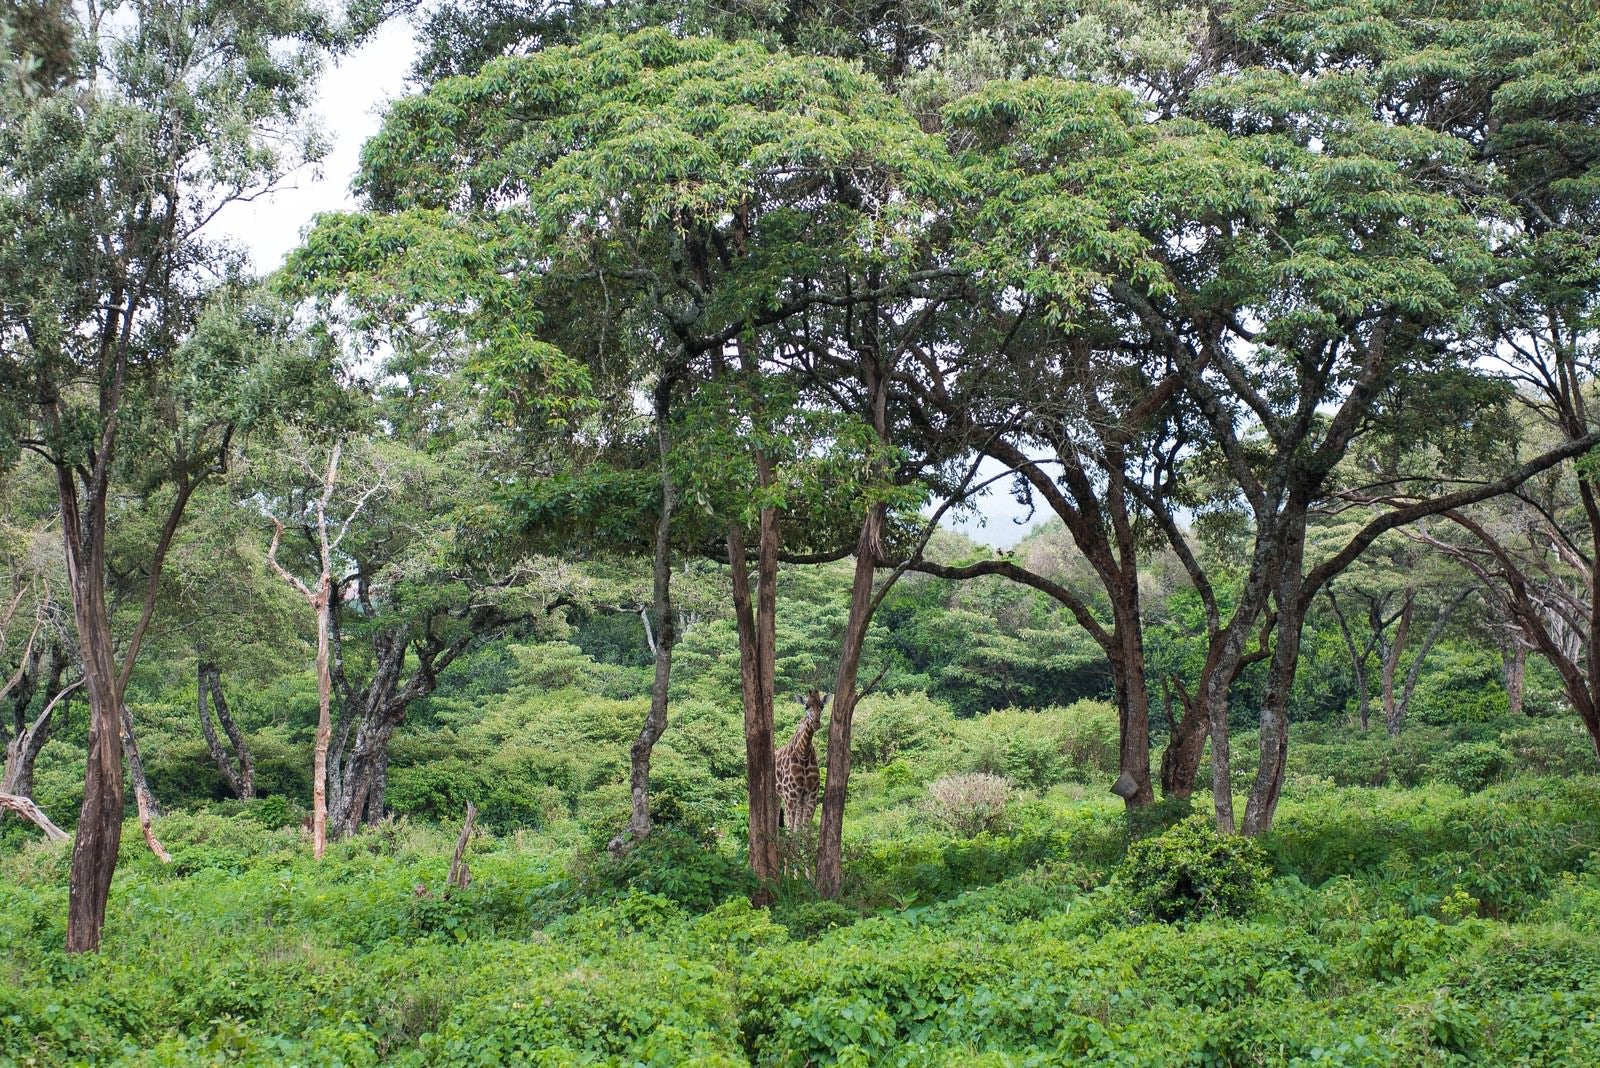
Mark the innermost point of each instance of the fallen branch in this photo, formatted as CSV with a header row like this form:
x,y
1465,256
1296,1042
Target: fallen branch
x,y
30,811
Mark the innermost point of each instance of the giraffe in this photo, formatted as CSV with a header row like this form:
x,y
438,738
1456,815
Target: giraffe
x,y
798,779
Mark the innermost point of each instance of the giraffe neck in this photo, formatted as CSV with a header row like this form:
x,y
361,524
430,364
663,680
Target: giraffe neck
x,y
808,727
802,736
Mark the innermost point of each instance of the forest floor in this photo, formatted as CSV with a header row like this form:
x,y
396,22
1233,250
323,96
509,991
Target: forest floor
x,y
1427,925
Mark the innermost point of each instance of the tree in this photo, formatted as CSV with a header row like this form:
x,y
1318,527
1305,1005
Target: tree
x,y
703,250
108,182
35,659
314,509
1278,244
1383,593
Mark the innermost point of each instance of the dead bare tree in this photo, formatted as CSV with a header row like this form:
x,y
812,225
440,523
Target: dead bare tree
x,y
320,596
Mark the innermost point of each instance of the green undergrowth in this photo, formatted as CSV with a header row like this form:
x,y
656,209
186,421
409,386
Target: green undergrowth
x,y
1373,927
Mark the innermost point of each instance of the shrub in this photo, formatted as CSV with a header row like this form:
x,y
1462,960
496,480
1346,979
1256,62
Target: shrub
x,y
807,919
1559,747
1040,749
968,805
1191,872
1474,765
891,727
675,866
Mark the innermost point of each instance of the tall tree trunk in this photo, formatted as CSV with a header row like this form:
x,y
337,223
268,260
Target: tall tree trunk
x,y
1391,664
1133,702
319,759
661,642
99,830
240,780
830,864
760,760
1263,802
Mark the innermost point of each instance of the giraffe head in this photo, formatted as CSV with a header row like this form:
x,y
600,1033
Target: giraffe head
x,y
814,702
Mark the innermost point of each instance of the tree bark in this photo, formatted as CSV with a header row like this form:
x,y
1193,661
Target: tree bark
x,y
240,780
319,760
760,759
1391,664
1263,801
830,864
143,798
662,640
1133,698
28,737
1180,761
1516,673
1264,794
1358,662
99,831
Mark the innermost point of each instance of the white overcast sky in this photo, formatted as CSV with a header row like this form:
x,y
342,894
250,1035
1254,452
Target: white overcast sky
x,y
351,98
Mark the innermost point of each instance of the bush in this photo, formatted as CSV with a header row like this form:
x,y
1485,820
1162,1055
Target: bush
x,y
1191,872
675,866
1040,749
892,727
968,805
1475,765
1558,747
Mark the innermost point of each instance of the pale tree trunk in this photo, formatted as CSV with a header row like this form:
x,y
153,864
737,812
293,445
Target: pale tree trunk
x,y
321,600
240,780
16,778
323,604
29,810
1391,664
661,641
1516,673
144,800
28,737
